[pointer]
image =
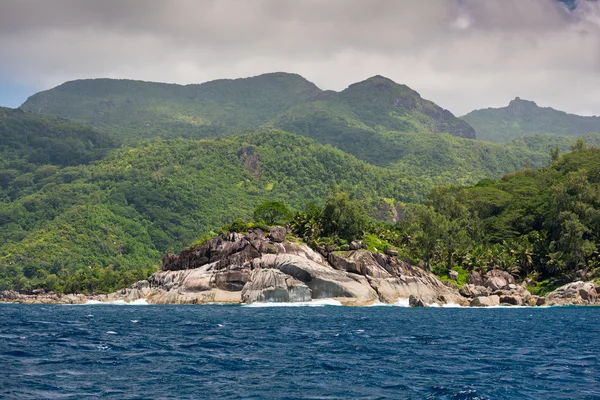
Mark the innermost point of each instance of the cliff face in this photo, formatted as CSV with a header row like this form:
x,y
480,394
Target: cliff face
x,y
255,267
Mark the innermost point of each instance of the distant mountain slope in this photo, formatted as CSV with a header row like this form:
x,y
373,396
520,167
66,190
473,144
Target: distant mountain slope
x,y
135,109
525,118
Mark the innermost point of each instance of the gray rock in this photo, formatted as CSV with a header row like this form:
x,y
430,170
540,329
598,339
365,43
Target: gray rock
x,y
512,300
325,282
487,301
358,262
540,301
470,290
453,275
576,293
474,278
277,234
273,286
497,279
355,245
414,301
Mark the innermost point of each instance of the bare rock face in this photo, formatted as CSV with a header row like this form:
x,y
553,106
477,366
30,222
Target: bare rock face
x,y
578,293
358,262
475,278
414,301
487,301
324,281
470,290
497,279
277,234
273,286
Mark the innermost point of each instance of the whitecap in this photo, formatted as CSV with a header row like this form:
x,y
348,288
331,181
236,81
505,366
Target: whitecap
x,y
220,325
135,321
313,303
403,303
138,302
452,305
111,332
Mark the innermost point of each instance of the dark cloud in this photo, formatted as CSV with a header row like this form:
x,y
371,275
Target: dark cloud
x,y
462,54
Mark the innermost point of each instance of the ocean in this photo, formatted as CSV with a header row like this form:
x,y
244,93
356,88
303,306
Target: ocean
x,y
318,352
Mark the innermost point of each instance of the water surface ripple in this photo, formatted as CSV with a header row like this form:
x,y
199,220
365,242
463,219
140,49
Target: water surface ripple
x,y
191,352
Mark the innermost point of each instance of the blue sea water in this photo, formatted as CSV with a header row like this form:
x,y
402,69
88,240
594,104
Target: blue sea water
x,y
194,352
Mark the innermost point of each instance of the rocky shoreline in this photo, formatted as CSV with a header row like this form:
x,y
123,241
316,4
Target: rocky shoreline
x,y
260,267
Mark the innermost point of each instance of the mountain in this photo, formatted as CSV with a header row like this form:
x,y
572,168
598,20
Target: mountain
x,y
121,213
135,109
523,118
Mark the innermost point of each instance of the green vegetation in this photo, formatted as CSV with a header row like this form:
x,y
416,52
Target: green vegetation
x,y
523,118
31,143
126,210
133,110
538,224
164,167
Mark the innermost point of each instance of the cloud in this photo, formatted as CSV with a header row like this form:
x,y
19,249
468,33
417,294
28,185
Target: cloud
x,y
462,54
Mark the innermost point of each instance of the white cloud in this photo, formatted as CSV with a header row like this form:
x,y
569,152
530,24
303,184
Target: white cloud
x,y
462,54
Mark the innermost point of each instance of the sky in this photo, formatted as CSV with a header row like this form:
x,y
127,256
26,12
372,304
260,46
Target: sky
x,y
461,54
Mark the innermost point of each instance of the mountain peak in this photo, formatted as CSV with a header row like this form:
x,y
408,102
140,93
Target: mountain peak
x,y
520,106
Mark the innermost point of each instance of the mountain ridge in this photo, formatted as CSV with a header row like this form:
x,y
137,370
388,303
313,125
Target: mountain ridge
x,y
522,118
140,109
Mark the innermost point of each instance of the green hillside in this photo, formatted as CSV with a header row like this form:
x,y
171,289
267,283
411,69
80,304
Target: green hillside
x,y
123,212
525,118
27,140
132,110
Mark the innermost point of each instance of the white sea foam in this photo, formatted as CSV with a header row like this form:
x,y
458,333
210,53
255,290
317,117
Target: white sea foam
x,y
135,321
313,303
111,333
402,303
138,302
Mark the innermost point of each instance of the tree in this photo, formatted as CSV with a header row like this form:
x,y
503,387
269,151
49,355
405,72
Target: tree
x,y
426,229
344,216
579,145
555,153
272,213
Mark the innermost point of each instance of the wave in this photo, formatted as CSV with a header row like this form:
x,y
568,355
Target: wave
x,y
138,302
313,303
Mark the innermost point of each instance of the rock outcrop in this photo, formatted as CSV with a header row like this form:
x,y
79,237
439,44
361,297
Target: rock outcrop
x,y
575,293
261,267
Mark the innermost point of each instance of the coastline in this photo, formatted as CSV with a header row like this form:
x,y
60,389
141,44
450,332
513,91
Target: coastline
x,y
271,268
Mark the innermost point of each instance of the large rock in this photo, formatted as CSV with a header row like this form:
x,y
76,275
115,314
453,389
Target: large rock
x,y
358,262
277,234
414,301
475,278
497,279
485,301
324,282
470,290
577,293
273,286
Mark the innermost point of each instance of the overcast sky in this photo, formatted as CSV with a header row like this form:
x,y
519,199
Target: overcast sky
x,y
462,54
